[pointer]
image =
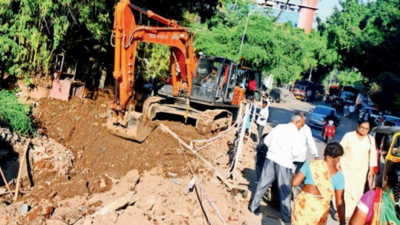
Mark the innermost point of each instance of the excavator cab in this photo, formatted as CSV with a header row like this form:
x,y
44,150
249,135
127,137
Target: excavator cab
x,y
214,80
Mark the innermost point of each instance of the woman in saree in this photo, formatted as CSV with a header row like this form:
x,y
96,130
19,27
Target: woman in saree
x,y
322,181
380,206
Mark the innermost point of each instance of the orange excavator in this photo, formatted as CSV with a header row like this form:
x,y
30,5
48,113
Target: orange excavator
x,y
203,91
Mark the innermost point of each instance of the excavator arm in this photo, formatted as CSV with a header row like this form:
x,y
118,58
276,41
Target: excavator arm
x,y
122,119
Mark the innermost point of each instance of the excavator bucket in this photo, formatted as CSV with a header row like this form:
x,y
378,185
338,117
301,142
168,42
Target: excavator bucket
x,y
136,126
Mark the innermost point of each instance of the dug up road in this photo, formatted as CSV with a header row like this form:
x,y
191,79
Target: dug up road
x,y
76,172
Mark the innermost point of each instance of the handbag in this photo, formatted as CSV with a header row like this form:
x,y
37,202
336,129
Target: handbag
x,y
372,181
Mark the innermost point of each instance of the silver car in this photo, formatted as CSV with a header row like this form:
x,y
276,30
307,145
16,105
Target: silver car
x,y
316,119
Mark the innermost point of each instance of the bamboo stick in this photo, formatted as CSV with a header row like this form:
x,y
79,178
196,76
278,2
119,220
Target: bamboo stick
x,y
165,128
5,181
20,170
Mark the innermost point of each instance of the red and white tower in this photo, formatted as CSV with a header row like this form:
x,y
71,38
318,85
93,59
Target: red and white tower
x,y
306,17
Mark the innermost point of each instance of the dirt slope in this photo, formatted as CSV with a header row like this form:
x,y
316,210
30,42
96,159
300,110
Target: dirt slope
x,y
102,164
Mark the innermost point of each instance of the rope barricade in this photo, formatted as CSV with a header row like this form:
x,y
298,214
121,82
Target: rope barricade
x,y
240,139
213,139
205,195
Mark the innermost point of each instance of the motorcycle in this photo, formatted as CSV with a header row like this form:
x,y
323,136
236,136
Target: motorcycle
x,y
338,104
329,131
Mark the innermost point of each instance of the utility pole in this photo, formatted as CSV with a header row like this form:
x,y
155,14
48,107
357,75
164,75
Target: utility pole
x,y
244,32
309,77
282,10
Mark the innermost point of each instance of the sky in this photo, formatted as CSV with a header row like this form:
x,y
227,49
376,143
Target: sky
x,y
325,8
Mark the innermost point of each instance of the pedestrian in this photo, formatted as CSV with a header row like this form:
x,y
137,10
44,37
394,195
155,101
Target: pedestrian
x,y
305,142
281,143
345,110
321,181
266,97
261,150
380,206
359,157
262,120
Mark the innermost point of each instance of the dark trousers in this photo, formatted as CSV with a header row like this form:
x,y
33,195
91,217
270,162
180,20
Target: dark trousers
x,y
260,133
296,190
283,175
260,159
298,166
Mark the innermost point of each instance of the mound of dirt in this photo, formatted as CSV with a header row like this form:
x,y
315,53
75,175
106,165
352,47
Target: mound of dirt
x,y
79,125
111,180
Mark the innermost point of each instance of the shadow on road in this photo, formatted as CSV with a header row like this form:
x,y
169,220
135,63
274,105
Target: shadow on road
x,y
270,215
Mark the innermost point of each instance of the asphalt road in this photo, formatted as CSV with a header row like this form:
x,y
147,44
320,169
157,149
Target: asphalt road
x,y
281,113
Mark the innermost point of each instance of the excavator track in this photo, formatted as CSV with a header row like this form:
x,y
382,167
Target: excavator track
x,y
147,106
213,120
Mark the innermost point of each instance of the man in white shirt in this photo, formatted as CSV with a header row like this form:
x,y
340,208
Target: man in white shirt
x,y
266,97
305,142
262,120
282,150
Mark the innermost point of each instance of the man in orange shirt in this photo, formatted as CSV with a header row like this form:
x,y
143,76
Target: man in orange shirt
x,y
238,94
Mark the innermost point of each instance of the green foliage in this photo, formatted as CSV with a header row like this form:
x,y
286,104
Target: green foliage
x,y
366,37
343,78
156,61
387,91
280,50
352,78
31,31
15,114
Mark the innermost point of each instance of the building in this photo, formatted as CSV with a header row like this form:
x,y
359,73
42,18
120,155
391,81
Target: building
x,y
299,12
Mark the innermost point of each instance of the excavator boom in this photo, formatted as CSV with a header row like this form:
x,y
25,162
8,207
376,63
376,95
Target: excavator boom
x,y
122,119
204,90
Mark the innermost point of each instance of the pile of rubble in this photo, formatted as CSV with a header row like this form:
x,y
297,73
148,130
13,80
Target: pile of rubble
x,y
78,173
149,198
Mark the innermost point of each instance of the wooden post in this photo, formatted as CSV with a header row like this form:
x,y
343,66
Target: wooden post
x,y
165,128
20,170
5,181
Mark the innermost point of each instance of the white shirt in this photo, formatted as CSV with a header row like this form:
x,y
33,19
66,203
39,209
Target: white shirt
x,y
281,142
306,141
269,102
263,117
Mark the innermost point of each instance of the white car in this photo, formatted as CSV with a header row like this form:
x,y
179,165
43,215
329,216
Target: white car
x,y
318,114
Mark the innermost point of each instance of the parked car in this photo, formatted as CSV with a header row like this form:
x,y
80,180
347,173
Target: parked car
x,y
318,114
372,111
388,120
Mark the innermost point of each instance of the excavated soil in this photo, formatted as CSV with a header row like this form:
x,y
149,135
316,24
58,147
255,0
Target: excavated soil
x,y
79,125
133,180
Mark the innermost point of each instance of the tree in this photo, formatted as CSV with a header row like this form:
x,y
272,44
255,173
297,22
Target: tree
x,y
366,37
31,32
281,50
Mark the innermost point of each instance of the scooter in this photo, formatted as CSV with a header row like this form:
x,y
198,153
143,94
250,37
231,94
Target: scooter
x,y
329,131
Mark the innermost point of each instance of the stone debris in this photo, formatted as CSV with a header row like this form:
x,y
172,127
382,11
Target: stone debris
x,y
80,179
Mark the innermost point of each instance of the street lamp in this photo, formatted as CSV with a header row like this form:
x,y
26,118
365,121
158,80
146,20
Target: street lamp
x,y
244,32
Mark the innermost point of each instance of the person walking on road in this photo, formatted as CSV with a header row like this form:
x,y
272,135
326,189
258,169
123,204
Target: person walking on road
x,y
306,142
262,120
359,157
321,181
281,142
266,98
